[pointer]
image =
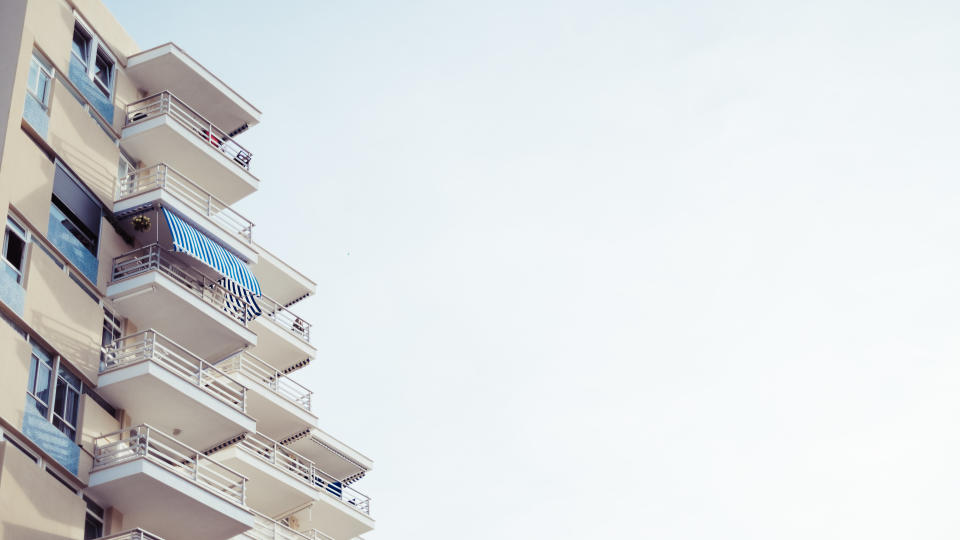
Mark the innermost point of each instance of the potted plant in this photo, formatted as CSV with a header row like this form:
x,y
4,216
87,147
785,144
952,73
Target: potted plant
x,y
141,223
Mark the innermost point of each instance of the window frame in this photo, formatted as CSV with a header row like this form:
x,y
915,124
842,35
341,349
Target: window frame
x,y
95,49
35,364
94,514
113,326
69,390
80,28
71,220
20,232
41,67
55,381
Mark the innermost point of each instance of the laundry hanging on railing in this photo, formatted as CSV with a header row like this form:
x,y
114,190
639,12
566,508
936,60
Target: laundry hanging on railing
x,y
237,278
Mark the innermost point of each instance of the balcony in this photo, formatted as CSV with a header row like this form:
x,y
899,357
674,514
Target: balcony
x,y
280,404
164,185
265,528
328,453
283,337
339,511
282,479
168,67
135,534
168,487
285,283
162,128
161,383
161,290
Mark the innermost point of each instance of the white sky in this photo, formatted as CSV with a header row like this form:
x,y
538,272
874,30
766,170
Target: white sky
x,y
660,270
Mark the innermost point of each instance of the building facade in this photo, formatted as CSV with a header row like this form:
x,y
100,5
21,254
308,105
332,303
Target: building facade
x,y
148,385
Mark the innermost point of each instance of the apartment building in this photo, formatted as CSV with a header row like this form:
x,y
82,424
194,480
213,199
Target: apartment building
x,y
150,343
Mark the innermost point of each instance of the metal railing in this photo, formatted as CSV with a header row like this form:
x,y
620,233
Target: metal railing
x,y
274,453
302,469
265,528
153,257
165,103
135,534
245,363
152,346
165,177
336,489
283,317
145,442
314,534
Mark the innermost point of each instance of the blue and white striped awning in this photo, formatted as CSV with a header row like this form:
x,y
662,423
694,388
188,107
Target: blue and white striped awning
x,y
189,240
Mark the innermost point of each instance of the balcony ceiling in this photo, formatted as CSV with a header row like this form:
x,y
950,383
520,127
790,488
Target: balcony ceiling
x,y
168,67
281,281
165,503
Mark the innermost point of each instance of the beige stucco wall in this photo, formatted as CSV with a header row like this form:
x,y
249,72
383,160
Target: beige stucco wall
x,y
35,506
13,383
94,421
77,138
55,306
63,314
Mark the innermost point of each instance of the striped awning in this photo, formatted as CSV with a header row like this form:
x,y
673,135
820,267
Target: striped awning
x,y
189,240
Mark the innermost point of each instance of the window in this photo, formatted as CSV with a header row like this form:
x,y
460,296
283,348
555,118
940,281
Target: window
x,y
64,389
76,210
38,80
38,382
81,44
93,526
103,73
112,331
67,403
14,247
95,58
124,168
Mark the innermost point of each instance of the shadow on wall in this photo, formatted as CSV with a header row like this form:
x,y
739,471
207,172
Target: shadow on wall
x,y
82,352
26,533
99,178
29,495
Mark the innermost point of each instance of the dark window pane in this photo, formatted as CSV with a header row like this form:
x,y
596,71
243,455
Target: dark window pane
x,y
59,400
80,43
92,529
102,71
68,376
64,427
32,376
73,402
40,408
13,249
42,389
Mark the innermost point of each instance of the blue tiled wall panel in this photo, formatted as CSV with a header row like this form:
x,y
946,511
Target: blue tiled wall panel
x,y
35,115
68,244
101,103
11,292
50,439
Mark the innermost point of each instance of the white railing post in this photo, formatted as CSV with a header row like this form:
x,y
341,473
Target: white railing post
x,y
162,175
151,339
146,440
196,467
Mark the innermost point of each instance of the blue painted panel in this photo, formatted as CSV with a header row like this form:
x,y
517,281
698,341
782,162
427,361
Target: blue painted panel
x,y
36,115
68,244
11,292
78,76
50,439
